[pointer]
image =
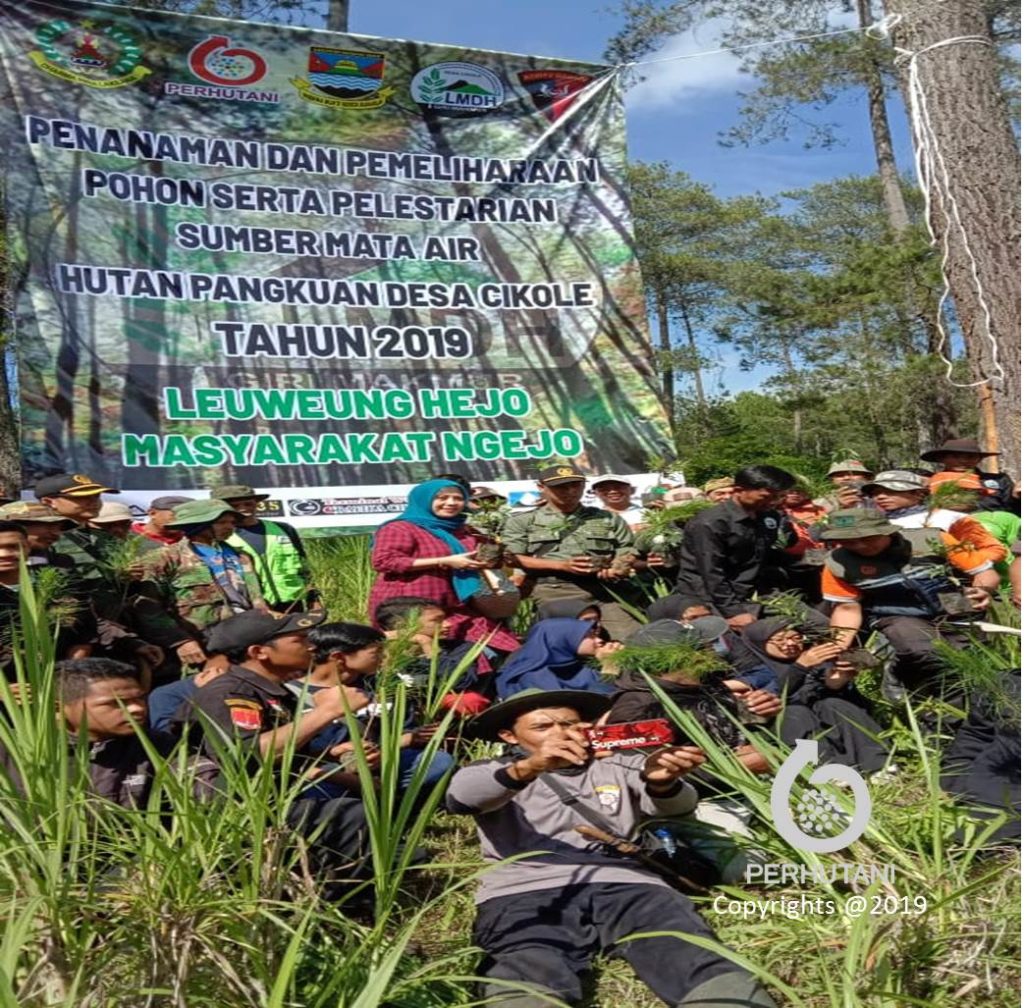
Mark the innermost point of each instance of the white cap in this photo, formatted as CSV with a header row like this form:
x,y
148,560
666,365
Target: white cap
x,y
610,478
113,512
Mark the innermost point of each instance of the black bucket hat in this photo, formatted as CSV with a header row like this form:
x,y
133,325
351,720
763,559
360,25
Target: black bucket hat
x,y
488,723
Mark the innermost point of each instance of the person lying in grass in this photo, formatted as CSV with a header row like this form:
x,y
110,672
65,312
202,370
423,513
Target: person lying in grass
x,y
348,656
542,918
679,658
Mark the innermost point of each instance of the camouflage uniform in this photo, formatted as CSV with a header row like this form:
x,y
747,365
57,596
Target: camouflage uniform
x,y
548,534
117,601
191,591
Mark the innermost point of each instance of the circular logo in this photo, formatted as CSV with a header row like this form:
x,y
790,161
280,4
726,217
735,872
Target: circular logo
x,y
304,507
101,56
215,61
458,88
820,824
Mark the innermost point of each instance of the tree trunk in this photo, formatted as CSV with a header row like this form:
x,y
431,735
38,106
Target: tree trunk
x,y
974,190
881,135
668,375
698,381
10,442
337,15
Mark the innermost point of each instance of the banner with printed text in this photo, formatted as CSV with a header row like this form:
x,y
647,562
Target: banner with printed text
x,y
325,265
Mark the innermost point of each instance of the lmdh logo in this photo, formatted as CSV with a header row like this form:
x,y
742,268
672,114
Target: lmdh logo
x,y
816,813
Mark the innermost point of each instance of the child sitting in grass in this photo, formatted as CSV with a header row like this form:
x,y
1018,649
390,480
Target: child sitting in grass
x,y
348,656
422,623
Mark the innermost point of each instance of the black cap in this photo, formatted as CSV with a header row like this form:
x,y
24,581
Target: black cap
x,y
257,627
699,631
70,485
556,475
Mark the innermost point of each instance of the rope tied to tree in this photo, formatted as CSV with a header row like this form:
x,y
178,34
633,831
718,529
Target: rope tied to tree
x,y
931,172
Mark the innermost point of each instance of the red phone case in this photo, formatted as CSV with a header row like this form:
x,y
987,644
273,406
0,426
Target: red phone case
x,y
632,735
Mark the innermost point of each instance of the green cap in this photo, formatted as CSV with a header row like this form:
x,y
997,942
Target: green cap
x,y
236,491
558,475
848,466
200,512
32,511
856,523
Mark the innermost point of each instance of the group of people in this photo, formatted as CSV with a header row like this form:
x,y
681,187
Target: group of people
x,y
202,626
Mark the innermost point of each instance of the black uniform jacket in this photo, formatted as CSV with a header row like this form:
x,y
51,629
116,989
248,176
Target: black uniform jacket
x,y
722,554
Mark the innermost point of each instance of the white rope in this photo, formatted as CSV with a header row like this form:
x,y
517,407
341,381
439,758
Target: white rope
x,y
928,162
931,172
879,30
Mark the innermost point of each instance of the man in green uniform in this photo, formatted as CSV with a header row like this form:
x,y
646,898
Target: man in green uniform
x,y
205,580
575,551
101,567
275,549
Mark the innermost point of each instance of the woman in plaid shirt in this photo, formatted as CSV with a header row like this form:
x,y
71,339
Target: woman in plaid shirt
x,y
428,552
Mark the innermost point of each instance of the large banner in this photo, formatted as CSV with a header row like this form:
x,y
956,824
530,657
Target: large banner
x,y
311,262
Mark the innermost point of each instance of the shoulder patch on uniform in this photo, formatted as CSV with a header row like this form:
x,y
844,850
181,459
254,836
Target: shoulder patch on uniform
x,y
245,716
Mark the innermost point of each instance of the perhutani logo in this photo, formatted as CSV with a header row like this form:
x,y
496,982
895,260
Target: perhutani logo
x,y
818,816
228,73
98,56
458,88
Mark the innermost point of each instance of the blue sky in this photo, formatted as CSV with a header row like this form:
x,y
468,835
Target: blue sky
x,y
675,115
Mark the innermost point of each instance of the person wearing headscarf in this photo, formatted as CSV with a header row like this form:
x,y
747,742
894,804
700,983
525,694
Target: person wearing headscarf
x,y
574,608
554,656
429,552
822,701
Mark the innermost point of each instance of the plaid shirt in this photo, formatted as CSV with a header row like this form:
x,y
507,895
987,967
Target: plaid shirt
x,y
395,547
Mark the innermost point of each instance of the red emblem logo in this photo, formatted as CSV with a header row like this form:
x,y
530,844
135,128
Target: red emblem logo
x,y
553,91
215,61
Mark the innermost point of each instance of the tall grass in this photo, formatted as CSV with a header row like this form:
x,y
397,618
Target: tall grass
x,y
206,904
193,902
343,574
